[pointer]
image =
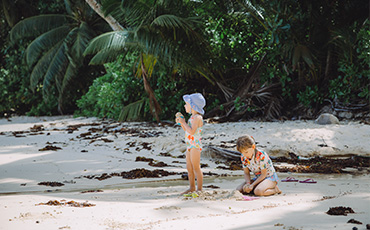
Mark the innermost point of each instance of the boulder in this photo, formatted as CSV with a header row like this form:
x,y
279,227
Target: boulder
x,y
327,119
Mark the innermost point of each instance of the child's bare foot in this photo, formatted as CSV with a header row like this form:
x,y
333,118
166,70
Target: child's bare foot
x,y
277,190
188,191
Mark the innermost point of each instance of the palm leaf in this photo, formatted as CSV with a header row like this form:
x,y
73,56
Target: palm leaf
x,y
151,42
43,42
83,37
112,40
76,43
159,36
228,92
69,46
171,21
69,74
68,6
55,71
273,108
132,111
181,28
34,26
107,55
263,94
136,12
343,40
42,65
111,7
170,52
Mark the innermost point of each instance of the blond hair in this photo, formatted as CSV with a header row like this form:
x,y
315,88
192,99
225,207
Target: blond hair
x,y
244,142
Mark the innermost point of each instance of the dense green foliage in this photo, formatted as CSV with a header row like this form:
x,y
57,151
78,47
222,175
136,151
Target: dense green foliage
x,y
120,86
55,55
16,96
249,58
353,80
109,92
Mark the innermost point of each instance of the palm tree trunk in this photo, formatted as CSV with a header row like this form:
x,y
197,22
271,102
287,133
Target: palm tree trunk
x,y
155,108
114,24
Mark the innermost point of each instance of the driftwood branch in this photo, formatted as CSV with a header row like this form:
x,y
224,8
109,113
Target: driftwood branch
x,y
338,106
212,151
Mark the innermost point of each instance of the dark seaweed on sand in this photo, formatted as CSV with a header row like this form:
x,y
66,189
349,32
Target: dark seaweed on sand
x,y
68,203
340,211
50,147
323,164
51,184
133,174
353,221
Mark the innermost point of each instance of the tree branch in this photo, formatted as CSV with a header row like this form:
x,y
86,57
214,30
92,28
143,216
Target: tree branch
x,y
114,24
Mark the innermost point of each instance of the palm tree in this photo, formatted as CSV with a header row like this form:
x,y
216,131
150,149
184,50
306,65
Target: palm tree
x,y
56,53
165,31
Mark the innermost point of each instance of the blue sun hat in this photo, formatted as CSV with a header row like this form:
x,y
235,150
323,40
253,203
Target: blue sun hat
x,y
196,101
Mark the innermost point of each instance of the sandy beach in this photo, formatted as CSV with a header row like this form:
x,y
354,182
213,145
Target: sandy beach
x,y
87,173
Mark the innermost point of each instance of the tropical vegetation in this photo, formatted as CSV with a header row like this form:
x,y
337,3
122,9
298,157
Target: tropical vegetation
x,y
55,56
133,60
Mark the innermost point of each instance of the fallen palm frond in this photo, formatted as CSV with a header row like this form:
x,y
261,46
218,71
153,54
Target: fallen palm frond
x,y
132,111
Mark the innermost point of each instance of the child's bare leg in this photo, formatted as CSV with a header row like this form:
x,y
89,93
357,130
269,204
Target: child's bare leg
x,y
272,191
267,188
195,160
191,176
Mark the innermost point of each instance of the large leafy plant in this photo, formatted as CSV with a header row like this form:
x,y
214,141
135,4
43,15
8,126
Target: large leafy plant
x,y
56,53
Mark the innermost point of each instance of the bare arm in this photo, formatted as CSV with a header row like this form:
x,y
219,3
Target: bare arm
x,y
247,176
260,178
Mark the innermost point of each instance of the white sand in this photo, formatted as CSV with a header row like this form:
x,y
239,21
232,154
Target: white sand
x,y
155,203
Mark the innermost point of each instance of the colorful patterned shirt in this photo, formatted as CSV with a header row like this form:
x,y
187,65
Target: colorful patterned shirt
x,y
259,161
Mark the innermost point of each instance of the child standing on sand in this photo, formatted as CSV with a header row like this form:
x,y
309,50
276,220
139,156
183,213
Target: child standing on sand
x,y
194,104
265,182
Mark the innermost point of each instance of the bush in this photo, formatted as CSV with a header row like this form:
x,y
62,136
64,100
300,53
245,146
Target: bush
x,y
108,93
120,87
310,97
354,80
